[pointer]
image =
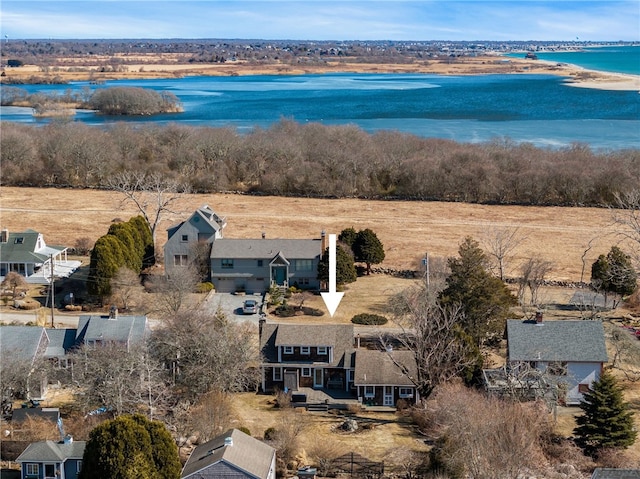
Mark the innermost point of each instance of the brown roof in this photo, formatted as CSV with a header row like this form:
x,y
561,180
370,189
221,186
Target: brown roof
x,y
246,453
339,336
376,368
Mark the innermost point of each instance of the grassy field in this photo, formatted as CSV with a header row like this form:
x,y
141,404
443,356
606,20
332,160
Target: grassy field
x,y
407,229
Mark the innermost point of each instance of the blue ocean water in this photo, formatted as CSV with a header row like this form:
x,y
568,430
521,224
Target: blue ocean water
x,y
617,59
539,109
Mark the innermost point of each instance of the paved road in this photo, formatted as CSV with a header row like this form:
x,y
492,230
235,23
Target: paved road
x,y
231,305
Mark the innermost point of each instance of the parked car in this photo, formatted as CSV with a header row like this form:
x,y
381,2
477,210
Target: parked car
x,y
250,306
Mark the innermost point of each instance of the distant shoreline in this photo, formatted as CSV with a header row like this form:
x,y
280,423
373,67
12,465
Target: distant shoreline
x,y
165,67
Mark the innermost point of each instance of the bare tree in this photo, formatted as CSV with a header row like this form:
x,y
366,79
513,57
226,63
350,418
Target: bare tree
x,y
126,287
626,354
583,258
14,281
532,275
151,193
500,243
627,216
172,292
433,333
212,415
14,380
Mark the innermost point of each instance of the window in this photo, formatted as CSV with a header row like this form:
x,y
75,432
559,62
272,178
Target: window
x,y
583,388
369,392
288,350
557,368
277,374
304,265
306,372
33,469
79,466
185,237
322,350
350,373
180,260
19,241
406,392
227,263
260,263
305,349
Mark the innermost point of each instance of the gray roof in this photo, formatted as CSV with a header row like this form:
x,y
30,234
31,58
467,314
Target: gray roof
x,y
611,473
21,247
22,342
562,340
339,336
60,342
49,451
205,218
22,414
246,453
266,248
123,329
377,368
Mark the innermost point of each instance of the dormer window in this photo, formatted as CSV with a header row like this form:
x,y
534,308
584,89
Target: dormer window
x,y
322,350
288,350
305,350
19,240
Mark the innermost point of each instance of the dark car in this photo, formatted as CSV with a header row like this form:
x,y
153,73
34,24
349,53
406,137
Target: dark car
x,y
250,306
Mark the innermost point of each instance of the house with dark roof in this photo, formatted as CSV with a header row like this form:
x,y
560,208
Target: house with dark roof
x,y
27,254
571,353
25,346
306,355
49,459
233,454
95,330
204,226
254,265
614,473
382,378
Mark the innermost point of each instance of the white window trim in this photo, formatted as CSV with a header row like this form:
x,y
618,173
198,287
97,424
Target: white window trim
x,y
306,372
79,465
323,350
305,350
368,394
277,374
350,373
31,467
288,350
405,392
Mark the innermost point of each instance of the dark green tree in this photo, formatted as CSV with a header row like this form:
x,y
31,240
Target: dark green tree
x,y
348,236
367,248
606,421
107,256
345,269
131,251
144,232
614,273
484,298
130,447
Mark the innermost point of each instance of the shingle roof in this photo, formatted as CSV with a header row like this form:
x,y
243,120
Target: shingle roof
x,y
611,473
49,451
377,368
246,453
22,342
211,221
60,342
340,336
561,340
24,250
123,329
266,248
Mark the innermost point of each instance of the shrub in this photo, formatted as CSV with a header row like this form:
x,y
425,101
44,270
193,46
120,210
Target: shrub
x,y
205,287
270,434
369,319
245,430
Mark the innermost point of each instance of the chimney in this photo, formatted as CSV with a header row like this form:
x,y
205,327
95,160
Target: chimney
x,y
323,242
358,341
68,439
4,235
113,312
539,317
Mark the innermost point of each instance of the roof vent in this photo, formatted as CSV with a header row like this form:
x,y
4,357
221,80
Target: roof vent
x,y
228,441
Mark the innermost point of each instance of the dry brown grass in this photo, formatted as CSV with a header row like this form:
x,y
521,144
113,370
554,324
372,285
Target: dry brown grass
x,y
407,229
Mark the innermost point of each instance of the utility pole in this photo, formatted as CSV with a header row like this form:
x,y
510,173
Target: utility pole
x,y
53,295
426,265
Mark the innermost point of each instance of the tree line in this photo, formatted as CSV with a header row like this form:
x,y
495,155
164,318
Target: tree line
x,y
292,159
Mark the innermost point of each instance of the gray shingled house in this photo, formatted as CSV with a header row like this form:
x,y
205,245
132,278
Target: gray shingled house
x,y
254,265
48,459
203,226
569,351
382,377
27,253
307,355
233,454
94,330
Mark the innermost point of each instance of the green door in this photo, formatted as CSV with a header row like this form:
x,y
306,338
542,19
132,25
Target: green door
x,y
280,275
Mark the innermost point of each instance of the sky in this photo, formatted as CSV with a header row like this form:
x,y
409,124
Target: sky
x,y
504,20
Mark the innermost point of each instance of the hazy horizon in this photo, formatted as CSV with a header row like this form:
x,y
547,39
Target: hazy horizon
x,y
316,20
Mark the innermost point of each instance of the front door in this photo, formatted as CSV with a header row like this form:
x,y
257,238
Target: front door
x,y
318,378
279,275
291,379
388,396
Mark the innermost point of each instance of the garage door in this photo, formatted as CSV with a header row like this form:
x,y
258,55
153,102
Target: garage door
x,y
224,285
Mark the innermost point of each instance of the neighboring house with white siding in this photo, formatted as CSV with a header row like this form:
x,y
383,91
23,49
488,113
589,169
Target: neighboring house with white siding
x,y
571,352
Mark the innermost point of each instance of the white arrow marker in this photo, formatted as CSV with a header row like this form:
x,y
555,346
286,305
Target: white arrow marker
x,y
332,298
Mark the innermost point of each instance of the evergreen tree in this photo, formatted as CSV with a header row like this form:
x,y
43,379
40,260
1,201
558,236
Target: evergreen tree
x,y
367,248
107,256
614,273
130,447
131,251
146,238
345,269
485,299
606,421
348,236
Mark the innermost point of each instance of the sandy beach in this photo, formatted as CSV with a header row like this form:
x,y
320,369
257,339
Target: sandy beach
x,y
170,66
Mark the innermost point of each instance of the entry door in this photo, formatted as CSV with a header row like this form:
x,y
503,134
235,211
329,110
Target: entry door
x,y
318,378
291,379
280,275
388,396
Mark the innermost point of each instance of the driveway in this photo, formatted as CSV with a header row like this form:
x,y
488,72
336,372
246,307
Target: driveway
x,y
231,305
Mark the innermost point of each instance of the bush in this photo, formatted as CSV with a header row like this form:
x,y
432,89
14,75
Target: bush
x,y
369,319
245,430
270,434
205,287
